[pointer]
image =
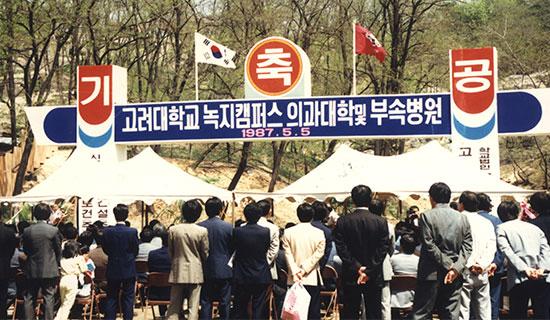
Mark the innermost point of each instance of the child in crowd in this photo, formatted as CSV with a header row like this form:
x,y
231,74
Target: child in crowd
x,y
84,279
72,266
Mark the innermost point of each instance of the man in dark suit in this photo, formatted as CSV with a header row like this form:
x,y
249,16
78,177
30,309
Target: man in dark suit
x,y
361,240
159,261
251,271
8,243
321,213
446,247
42,246
120,243
217,276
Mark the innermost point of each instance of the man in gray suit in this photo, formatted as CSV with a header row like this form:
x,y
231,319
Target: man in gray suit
x,y
526,249
446,246
42,246
188,249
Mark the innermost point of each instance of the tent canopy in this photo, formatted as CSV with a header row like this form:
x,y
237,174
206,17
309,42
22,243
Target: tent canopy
x,y
408,174
145,177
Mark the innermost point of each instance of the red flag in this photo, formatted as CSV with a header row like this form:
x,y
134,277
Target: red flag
x,y
366,43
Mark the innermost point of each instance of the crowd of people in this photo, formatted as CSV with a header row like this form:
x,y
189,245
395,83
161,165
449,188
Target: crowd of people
x,y
458,253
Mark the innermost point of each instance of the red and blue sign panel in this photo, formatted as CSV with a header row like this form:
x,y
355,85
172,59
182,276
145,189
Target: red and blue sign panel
x,y
95,105
473,79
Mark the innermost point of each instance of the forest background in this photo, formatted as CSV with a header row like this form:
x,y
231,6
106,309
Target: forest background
x,y
43,41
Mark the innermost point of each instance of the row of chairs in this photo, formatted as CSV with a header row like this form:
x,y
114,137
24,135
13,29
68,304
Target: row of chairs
x,y
90,304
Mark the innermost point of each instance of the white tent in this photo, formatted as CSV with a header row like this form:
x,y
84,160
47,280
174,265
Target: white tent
x,y
408,174
144,177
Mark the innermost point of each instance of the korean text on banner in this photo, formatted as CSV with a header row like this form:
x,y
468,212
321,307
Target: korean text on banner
x,y
474,130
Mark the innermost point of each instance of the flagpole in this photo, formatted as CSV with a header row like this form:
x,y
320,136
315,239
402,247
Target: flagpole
x,y
196,79
354,85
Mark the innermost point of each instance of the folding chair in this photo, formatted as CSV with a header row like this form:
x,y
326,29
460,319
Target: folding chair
x,y
100,282
330,277
155,280
87,303
142,267
402,282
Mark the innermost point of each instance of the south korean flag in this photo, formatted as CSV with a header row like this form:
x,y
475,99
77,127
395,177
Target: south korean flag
x,y
208,51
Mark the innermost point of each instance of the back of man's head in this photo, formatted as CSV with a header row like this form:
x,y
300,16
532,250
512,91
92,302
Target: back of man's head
x,y
305,212
213,207
468,201
361,195
265,207
377,207
191,210
507,210
540,202
41,211
484,202
146,235
252,213
121,212
322,211
408,244
86,238
440,192
69,232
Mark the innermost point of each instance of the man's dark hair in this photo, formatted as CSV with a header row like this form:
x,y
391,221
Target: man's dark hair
x,y
127,223
153,223
213,207
305,212
164,236
361,195
413,210
252,213
440,192
86,238
146,235
484,202
191,210
69,232
540,202
70,249
469,201
289,225
377,207
41,211
322,210
507,210
121,212
407,243
22,225
99,224
265,206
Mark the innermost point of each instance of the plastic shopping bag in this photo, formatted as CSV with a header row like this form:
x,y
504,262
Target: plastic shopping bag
x,y
296,303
